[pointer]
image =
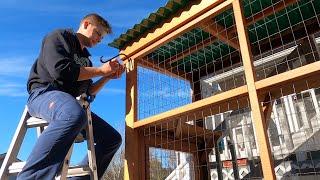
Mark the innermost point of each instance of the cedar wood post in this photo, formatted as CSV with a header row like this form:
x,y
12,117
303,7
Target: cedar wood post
x,y
135,149
256,108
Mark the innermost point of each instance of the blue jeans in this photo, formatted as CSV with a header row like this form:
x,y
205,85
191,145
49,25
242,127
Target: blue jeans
x,y
66,120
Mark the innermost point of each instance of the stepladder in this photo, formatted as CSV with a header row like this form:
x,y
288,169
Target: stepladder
x,y
10,167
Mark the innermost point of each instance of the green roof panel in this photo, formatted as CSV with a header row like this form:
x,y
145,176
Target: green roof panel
x,y
148,24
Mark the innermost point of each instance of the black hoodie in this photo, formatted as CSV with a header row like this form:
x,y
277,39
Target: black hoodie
x,y
59,63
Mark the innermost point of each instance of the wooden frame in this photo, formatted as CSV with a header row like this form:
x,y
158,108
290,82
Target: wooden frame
x,y
254,92
135,149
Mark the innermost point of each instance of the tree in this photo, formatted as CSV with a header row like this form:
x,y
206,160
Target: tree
x,y
116,167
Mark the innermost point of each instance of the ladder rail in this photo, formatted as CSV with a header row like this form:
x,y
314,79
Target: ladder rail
x,y
90,144
14,145
66,164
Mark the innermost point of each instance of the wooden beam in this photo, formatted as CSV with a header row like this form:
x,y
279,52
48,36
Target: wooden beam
x,y
188,130
222,34
256,109
134,147
301,73
267,110
170,143
293,81
290,82
218,99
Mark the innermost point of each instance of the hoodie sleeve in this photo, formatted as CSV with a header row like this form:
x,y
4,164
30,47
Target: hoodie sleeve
x,y
57,55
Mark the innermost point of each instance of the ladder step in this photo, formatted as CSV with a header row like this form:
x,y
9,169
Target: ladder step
x,y
78,170
36,122
16,167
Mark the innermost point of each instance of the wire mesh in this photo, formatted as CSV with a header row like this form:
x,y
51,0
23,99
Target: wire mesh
x,y
218,141
294,131
284,39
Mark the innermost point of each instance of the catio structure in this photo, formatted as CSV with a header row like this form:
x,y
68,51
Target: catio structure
x,y
224,89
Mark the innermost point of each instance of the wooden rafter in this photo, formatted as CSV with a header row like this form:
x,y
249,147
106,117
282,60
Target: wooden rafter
x,y
159,68
222,34
191,50
230,32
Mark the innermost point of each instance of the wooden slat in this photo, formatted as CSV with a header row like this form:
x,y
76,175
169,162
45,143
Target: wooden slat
x,y
176,22
189,108
256,109
261,15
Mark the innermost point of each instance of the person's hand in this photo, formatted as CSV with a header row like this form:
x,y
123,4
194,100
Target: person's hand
x,y
118,73
110,67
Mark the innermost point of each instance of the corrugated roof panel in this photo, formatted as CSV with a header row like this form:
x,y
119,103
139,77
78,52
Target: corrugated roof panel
x,y
164,11
132,33
153,20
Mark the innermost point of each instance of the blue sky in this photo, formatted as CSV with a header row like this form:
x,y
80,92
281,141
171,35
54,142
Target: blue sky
x,y
25,22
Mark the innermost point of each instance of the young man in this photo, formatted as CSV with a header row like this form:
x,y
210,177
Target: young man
x,y
62,72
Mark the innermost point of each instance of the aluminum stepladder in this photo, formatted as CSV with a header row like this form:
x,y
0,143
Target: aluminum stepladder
x,y
10,167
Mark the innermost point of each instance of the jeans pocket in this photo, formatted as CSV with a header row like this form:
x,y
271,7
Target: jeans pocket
x,y
33,96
